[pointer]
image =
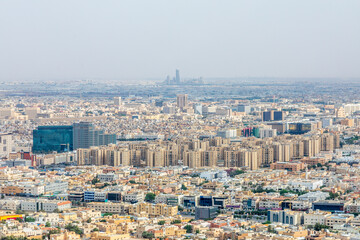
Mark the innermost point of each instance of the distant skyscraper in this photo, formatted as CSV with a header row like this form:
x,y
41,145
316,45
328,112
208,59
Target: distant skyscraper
x,y
198,109
268,116
117,101
272,116
244,108
177,78
278,115
181,100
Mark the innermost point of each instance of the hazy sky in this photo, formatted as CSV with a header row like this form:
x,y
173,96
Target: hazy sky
x,y
138,39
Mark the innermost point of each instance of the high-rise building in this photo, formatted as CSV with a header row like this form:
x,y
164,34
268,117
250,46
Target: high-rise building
x,y
117,101
300,128
326,122
244,108
265,133
48,139
169,110
272,116
182,100
267,116
177,78
6,144
278,115
340,112
198,109
85,136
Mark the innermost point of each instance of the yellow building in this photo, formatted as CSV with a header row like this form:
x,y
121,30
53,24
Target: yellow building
x,y
170,230
11,190
347,122
179,232
153,210
100,236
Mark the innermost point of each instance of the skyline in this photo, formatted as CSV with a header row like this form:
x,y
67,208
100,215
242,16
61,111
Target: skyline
x,y
139,40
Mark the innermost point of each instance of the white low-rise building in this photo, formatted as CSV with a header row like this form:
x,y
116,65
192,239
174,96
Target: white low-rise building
x,y
109,177
134,197
307,184
44,205
313,196
34,190
314,217
56,187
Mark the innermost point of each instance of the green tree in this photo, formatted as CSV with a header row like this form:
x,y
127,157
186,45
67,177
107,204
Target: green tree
x,y
95,230
29,219
183,187
89,220
150,197
53,231
189,228
319,226
148,235
95,180
162,222
47,224
176,221
270,229
19,211
74,228
333,195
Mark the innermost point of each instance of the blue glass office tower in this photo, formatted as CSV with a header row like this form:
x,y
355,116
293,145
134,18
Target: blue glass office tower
x,y
47,139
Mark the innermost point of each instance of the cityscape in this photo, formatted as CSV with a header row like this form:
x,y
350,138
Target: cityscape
x,y
173,120
186,166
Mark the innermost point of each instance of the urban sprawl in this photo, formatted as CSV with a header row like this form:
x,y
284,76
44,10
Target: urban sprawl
x,y
188,161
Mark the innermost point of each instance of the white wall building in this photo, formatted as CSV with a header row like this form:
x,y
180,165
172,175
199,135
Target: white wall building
x,y
56,187
134,197
314,217
34,190
308,184
6,144
44,205
267,133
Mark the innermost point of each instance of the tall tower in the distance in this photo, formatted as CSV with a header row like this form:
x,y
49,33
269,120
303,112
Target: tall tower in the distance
x,y
177,78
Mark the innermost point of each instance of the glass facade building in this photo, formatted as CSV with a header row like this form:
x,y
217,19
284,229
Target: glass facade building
x,y
85,136
47,139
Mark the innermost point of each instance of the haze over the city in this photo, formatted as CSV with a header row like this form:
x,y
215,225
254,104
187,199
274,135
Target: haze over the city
x,y
135,40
